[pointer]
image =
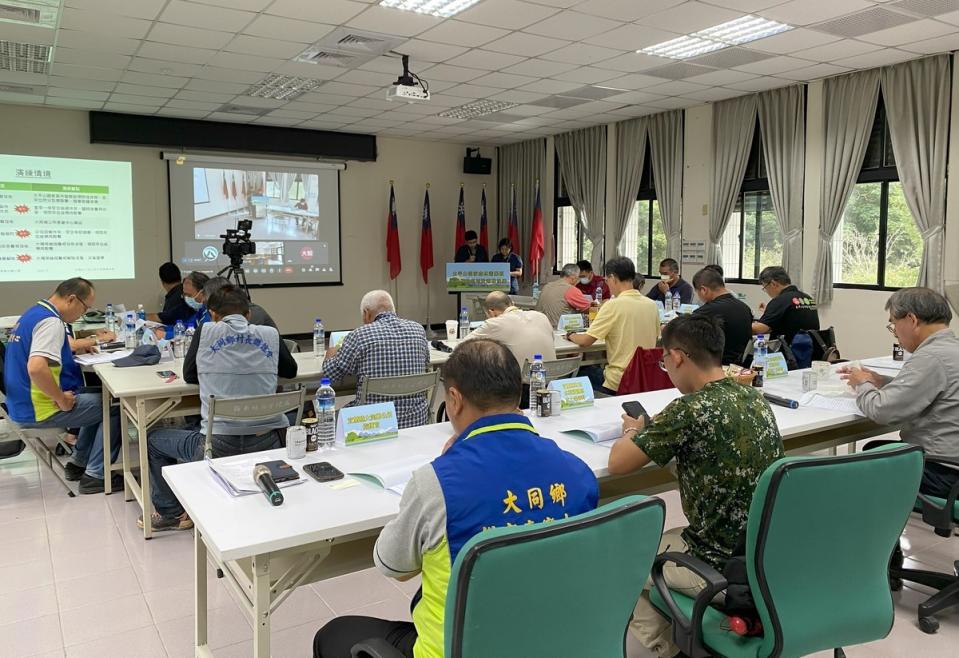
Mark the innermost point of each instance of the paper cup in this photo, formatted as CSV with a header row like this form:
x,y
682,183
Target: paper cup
x,y
451,327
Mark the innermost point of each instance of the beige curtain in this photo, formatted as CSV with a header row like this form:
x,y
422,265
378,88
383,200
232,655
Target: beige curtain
x,y
630,156
521,165
666,151
733,123
582,162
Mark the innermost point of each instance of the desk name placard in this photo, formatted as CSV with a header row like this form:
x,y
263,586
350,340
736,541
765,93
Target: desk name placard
x,y
574,392
366,424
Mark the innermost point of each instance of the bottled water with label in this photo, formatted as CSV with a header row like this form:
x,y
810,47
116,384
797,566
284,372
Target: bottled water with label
x,y
130,338
111,319
598,294
141,314
677,302
325,406
464,324
188,337
319,339
760,351
178,339
537,374
535,291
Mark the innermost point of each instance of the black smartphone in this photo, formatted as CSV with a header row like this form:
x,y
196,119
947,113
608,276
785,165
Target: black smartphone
x,y
323,472
166,374
441,346
280,471
635,409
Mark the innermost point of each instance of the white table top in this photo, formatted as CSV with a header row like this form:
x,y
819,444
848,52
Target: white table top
x,y
562,346
242,527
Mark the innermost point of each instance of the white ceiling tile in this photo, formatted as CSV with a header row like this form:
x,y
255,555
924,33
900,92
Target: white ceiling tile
x,y
182,114
582,53
720,77
551,86
229,75
836,50
393,21
256,46
74,103
302,69
291,114
504,80
485,59
287,29
713,94
528,45
635,111
370,103
245,5
882,57
517,96
217,86
256,101
469,91
85,94
760,84
179,104
938,45
276,121
352,112
807,12
634,62
509,14
589,75
140,9
633,81
175,53
163,67
85,72
813,72
952,18
539,68
244,62
90,41
103,23
133,99
198,15
624,10
572,25
230,117
451,73
634,98
750,6
333,12
203,96
169,81
144,90
421,51
631,37
674,88
346,89
774,65
18,32
371,78
463,34
80,83
789,42
672,103
128,108
910,32
322,98
97,58
182,35
688,17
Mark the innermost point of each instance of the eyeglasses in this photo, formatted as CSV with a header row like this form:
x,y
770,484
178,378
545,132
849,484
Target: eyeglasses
x,y
891,328
662,362
86,307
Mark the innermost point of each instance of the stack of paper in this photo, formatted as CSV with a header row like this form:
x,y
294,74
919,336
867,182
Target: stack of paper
x,y
101,357
599,434
235,474
842,404
395,475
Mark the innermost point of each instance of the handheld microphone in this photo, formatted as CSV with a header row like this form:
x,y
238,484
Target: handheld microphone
x,y
264,479
782,402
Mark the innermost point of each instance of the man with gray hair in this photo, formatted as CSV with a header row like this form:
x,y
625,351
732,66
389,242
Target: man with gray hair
x,y
923,399
385,346
561,297
524,333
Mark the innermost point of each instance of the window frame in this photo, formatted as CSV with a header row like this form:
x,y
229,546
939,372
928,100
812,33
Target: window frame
x,y
647,192
884,174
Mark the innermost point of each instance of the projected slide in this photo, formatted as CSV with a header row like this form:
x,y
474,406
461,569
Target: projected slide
x,y
294,214
61,217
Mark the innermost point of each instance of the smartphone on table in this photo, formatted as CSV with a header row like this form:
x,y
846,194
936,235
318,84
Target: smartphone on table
x,y
323,472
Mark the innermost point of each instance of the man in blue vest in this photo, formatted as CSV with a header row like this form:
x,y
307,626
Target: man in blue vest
x,y
43,382
494,471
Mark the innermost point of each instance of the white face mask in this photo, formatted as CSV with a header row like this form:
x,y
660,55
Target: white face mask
x,y
665,277
584,280
192,303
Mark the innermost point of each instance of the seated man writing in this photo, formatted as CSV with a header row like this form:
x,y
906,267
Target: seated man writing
x,y
722,435
923,399
228,358
495,470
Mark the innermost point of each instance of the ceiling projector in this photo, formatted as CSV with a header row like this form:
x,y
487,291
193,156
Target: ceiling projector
x,y
409,87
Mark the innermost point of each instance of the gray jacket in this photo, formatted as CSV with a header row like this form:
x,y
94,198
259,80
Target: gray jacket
x,y
923,399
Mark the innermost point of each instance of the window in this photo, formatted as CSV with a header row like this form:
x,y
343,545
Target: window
x,y
877,244
752,240
644,239
569,236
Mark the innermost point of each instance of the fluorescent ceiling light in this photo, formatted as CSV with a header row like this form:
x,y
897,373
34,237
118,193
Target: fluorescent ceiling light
x,y
282,87
731,33
441,8
476,109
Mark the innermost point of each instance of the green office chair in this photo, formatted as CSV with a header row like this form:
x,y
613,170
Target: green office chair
x,y
818,541
943,515
564,589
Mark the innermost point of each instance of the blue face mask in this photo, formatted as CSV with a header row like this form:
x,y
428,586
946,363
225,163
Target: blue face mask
x,y
193,303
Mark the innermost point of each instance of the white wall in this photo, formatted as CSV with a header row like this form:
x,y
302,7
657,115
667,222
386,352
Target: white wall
x,y
364,197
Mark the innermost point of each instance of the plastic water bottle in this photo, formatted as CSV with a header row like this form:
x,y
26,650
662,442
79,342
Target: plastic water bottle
x,y
464,324
188,337
111,319
319,339
760,351
141,314
677,302
598,294
178,339
537,374
535,291
130,339
325,406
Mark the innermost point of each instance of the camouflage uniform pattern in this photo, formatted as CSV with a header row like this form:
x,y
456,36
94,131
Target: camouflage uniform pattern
x,y
723,437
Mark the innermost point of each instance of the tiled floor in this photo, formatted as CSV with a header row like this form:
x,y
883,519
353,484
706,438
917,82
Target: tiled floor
x,y
78,580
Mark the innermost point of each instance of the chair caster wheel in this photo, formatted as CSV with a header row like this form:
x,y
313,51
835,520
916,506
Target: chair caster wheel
x,y
219,573
928,625
59,451
895,584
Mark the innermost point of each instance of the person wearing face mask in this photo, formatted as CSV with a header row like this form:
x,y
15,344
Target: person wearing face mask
x,y
589,282
495,470
193,295
671,283
923,398
561,297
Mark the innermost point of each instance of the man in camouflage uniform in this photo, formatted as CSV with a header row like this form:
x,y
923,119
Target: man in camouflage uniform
x,y
723,435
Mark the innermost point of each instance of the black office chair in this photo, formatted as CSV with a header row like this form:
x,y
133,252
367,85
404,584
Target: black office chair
x,y
943,515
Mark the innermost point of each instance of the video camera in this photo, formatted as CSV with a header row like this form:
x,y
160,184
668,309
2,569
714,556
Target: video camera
x,y
237,243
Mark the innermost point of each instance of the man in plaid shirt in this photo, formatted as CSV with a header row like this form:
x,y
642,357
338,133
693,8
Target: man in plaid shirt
x,y
385,346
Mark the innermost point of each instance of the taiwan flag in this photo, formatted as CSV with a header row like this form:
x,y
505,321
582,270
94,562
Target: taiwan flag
x,y
484,231
536,242
393,238
233,185
460,222
513,231
426,240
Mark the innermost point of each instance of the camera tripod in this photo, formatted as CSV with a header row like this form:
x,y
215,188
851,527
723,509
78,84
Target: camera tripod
x,y
236,275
